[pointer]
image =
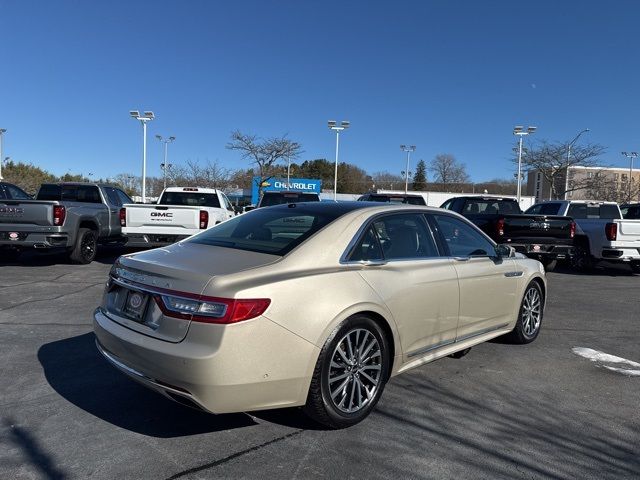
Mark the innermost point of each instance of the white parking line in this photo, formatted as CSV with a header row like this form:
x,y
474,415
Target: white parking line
x,y
602,359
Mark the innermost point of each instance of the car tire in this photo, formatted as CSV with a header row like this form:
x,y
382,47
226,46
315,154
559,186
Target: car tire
x,y
356,357
529,316
549,264
635,267
84,251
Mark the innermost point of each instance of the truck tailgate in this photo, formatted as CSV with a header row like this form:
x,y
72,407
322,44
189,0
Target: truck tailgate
x,y
629,230
178,217
537,226
26,212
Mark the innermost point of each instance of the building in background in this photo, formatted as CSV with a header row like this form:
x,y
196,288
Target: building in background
x,y
588,183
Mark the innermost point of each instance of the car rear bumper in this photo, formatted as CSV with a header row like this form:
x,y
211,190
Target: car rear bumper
x,y
544,250
152,239
251,365
621,254
25,238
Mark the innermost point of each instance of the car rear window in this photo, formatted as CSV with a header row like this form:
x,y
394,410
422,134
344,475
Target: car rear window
x,y
587,210
488,207
275,231
633,213
545,209
396,199
190,199
71,193
279,198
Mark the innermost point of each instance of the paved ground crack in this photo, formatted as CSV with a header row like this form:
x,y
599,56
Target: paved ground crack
x,y
233,456
51,298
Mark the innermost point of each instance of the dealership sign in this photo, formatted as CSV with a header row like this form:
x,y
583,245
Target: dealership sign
x,y
280,184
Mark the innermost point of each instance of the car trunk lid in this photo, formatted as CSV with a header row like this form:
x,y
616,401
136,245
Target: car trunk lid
x,y
137,283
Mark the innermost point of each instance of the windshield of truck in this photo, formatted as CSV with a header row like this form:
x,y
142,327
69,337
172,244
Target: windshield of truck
x,y
589,210
275,231
279,198
190,199
488,207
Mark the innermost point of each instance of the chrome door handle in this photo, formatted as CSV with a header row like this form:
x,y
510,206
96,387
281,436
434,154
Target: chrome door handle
x,y
461,259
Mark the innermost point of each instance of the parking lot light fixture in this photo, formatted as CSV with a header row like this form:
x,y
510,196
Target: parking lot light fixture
x,y
409,149
333,125
146,117
2,132
521,132
630,156
566,173
164,165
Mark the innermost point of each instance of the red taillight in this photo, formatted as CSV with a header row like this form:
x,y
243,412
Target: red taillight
x,y
572,229
204,219
210,309
500,227
123,217
59,214
611,230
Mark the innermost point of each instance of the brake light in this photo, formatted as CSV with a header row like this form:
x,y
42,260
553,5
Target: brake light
x,y
211,309
572,229
123,217
204,219
611,231
59,214
500,227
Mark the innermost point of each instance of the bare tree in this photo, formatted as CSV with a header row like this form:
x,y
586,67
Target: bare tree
x,y
447,170
193,173
553,161
387,180
264,153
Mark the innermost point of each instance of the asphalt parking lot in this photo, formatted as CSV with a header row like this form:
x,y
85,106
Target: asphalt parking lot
x,y
503,411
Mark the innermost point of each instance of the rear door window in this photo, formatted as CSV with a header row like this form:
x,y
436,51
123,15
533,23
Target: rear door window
x,y
368,248
405,236
461,239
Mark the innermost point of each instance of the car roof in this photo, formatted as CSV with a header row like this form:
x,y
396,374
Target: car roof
x,y
349,206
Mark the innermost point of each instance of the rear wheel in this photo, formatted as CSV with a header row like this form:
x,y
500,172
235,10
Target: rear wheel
x,y
635,267
529,317
350,375
85,248
583,260
549,264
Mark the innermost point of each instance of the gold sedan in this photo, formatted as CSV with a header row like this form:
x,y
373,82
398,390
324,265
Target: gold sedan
x,y
313,305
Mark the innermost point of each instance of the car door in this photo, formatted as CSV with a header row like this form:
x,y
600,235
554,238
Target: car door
x,y
114,203
487,284
416,283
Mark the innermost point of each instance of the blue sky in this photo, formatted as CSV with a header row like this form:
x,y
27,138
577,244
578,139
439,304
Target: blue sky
x,y
447,76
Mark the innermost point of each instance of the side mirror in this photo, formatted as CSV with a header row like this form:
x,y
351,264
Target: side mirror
x,y
504,251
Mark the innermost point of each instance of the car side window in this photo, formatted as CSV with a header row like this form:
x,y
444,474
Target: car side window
x,y
112,196
405,236
2,194
16,193
462,239
124,198
368,248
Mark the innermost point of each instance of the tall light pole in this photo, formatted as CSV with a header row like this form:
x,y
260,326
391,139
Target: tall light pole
x,y
630,156
144,118
408,149
521,132
337,128
164,165
2,132
566,173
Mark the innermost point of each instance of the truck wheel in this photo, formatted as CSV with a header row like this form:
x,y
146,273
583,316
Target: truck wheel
x,y
583,260
549,264
84,250
635,267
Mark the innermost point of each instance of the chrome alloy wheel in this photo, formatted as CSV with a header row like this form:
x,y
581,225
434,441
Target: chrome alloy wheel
x,y
355,371
531,311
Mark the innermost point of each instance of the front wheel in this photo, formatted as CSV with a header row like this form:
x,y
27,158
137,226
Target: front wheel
x,y
350,374
529,317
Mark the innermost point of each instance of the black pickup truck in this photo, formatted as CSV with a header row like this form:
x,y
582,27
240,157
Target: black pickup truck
x,y
545,237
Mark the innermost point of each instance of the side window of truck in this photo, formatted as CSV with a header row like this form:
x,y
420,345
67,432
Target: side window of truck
x,y
112,196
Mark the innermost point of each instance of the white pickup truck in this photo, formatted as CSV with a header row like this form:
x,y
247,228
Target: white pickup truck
x,y
601,233
179,213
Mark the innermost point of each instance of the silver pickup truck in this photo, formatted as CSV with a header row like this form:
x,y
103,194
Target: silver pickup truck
x,y
74,217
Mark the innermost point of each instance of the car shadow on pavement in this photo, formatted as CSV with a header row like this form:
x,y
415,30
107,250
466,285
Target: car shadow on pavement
x,y
74,369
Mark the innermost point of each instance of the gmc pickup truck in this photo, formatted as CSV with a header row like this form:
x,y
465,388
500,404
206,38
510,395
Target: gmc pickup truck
x,y
547,238
601,233
179,213
74,217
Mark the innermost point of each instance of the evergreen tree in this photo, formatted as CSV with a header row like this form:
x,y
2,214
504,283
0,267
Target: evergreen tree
x,y
420,177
